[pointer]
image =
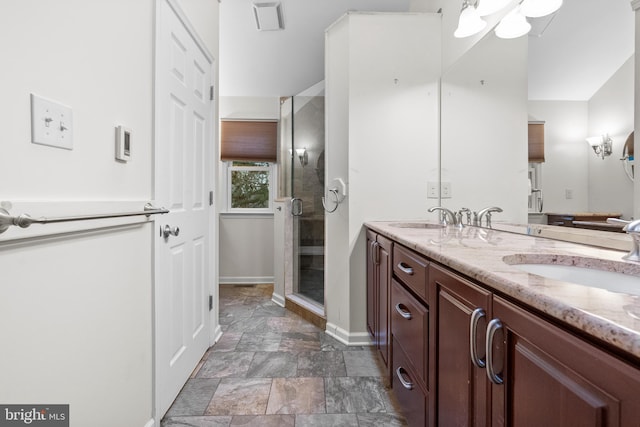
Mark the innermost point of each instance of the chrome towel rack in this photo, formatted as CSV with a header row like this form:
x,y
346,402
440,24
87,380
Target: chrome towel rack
x,y
25,220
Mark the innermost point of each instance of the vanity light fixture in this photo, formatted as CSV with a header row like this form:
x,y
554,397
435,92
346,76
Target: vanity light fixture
x,y
302,156
470,22
513,25
602,145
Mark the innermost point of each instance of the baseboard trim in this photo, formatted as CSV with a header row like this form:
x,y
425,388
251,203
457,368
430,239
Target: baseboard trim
x,y
346,337
217,334
150,423
245,280
278,299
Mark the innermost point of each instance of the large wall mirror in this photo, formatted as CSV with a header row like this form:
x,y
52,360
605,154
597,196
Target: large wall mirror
x,y
575,74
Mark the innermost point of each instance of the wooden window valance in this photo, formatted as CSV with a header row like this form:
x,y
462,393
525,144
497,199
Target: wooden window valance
x,y
249,140
536,142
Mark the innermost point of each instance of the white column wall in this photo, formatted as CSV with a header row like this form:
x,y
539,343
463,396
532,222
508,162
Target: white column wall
x,y
382,75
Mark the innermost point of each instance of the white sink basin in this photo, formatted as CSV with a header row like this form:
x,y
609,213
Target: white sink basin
x,y
594,273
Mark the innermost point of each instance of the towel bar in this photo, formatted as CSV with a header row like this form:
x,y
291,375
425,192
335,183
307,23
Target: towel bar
x,y
24,220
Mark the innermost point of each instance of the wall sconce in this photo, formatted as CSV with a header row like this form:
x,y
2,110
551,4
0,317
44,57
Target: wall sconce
x,y
602,145
303,156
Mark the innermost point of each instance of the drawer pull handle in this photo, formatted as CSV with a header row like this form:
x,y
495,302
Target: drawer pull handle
x,y
493,327
401,309
405,383
477,314
405,268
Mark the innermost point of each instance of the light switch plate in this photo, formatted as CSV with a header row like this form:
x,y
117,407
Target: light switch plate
x,y
51,123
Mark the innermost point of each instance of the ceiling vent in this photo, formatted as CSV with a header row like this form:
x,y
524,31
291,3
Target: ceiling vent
x,y
268,16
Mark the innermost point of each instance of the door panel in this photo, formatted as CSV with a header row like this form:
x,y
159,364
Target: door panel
x,y
184,123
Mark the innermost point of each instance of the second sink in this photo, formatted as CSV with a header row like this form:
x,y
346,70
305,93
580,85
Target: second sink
x,y
612,276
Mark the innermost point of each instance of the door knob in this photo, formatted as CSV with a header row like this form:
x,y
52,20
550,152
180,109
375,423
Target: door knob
x,y
169,231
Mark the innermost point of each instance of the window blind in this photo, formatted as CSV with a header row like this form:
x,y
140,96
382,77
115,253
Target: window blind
x,y
249,140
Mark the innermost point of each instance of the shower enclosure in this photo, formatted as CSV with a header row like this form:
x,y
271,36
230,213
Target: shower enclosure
x,y
302,154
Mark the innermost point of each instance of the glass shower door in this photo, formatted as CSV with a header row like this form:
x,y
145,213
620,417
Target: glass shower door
x,y
307,189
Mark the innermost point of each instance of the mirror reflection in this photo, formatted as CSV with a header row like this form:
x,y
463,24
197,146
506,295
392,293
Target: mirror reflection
x,y
579,64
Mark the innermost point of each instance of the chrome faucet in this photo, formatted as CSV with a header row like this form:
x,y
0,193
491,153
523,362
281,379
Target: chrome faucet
x,y
486,212
448,217
633,228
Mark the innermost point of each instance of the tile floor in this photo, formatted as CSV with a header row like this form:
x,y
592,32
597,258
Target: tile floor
x,y
273,368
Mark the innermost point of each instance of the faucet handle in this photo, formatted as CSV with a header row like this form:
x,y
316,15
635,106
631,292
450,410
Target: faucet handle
x,y
468,212
633,229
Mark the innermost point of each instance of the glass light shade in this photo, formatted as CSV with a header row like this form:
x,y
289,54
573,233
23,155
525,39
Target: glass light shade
x,y
539,8
488,7
513,25
470,22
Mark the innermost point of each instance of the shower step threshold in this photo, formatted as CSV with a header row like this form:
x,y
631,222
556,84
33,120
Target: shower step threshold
x,y
306,309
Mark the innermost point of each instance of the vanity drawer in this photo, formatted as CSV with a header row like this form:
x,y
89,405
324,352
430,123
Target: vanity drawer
x,y
411,269
409,394
410,328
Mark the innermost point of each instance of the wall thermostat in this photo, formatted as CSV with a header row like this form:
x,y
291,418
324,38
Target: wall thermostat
x,y
123,143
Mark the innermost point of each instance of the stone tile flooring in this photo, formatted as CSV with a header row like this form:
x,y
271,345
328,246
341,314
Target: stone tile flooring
x,y
273,368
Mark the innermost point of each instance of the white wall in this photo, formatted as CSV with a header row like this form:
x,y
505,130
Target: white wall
x,y
246,248
382,136
76,309
598,185
246,241
566,154
611,110
484,129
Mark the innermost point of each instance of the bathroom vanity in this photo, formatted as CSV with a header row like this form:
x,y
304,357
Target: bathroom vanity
x,y
470,338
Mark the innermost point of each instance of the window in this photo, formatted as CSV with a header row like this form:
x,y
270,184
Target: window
x,y
249,186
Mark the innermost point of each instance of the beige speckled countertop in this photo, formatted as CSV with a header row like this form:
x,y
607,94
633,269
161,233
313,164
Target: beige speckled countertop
x,y
478,253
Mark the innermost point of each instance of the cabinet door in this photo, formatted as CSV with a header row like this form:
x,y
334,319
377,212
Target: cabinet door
x,y
378,287
371,285
462,387
553,378
384,288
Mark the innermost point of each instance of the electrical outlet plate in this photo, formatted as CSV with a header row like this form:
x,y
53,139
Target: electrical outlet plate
x,y
445,190
51,123
432,190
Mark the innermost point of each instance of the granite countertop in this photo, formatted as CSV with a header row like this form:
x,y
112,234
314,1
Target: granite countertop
x,y
478,253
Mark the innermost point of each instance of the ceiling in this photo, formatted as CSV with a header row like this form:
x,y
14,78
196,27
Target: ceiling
x,y
580,49
584,45
281,63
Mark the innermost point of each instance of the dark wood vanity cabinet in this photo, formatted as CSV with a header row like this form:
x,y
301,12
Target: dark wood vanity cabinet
x,y
378,287
461,310
537,374
541,374
551,377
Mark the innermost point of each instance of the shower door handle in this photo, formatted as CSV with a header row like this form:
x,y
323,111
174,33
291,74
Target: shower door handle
x,y
296,206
